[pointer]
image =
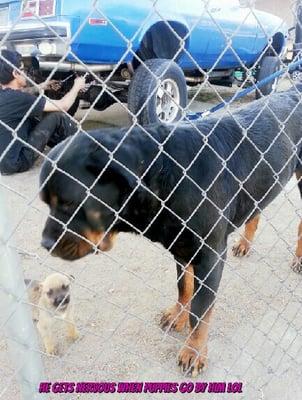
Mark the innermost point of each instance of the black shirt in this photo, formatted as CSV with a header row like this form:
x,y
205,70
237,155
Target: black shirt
x,y
14,105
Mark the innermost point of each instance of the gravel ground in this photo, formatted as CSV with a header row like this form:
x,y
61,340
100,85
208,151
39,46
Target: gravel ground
x,y
255,337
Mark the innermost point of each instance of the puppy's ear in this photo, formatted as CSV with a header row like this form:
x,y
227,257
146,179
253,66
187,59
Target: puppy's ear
x,y
40,287
33,285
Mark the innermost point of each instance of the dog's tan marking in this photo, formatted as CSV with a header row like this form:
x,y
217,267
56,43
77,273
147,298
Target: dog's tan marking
x,y
243,247
94,215
193,358
104,243
97,238
299,243
53,201
93,237
297,261
177,315
85,247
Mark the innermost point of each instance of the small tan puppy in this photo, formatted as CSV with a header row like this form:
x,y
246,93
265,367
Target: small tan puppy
x,y
53,299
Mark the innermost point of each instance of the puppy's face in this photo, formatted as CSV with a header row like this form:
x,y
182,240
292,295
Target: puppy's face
x,y
55,292
79,221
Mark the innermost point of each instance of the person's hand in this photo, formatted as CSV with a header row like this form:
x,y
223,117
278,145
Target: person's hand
x,y
51,85
79,83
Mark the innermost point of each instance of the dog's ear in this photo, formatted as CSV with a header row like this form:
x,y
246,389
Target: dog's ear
x,y
33,285
123,168
114,172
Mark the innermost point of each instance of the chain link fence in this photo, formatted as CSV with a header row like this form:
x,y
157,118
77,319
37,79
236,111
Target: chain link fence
x,y
155,71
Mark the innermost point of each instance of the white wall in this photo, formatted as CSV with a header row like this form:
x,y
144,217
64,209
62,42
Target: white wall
x,y
282,8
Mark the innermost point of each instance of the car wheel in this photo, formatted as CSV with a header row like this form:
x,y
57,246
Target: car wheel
x,y
158,92
267,66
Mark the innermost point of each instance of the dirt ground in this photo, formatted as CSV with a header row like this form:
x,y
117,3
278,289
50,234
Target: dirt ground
x,y
255,337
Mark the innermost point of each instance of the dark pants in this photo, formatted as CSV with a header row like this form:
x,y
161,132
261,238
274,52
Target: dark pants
x,y
51,130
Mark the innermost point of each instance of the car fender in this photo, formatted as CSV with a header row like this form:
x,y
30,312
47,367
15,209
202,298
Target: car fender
x,y
269,25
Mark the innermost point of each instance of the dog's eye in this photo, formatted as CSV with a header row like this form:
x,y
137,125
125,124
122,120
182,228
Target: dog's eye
x,y
65,287
50,292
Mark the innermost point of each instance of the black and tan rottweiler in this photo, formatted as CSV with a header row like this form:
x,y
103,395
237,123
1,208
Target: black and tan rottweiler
x,y
187,187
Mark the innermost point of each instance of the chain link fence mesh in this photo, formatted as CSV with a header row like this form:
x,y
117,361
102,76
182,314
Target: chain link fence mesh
x,y
255,335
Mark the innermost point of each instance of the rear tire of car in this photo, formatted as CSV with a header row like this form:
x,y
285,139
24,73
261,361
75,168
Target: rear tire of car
x,y
267,66
154,103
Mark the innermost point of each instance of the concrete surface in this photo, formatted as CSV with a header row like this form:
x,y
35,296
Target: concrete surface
x,y
256,333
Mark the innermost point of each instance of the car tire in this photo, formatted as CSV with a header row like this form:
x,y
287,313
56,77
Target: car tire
x,y
153,104
267,66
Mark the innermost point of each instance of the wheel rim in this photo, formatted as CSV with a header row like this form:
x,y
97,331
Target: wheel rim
x,y
167,101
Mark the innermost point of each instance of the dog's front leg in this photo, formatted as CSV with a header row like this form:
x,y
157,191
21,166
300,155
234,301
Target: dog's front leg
x,y
177,316
44,328
193,357
71,329
243,246
297,262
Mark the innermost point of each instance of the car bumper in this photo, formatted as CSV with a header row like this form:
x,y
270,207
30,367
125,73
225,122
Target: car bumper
x,y
38,40
50,44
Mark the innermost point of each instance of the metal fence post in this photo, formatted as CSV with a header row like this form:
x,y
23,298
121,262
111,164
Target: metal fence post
x,y
15,315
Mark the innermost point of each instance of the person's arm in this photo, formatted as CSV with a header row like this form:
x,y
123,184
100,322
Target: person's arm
x,y
35,89
67,101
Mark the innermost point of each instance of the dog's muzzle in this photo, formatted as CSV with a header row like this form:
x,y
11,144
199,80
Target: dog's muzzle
x,y
71,247
61,301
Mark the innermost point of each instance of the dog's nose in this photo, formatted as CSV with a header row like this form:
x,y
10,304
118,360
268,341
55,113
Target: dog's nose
x,y
47,243
61,300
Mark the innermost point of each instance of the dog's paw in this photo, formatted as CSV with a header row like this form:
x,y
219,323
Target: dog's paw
x,y
297,265
174,318
72,333
51,350
75,336
241,249
192,363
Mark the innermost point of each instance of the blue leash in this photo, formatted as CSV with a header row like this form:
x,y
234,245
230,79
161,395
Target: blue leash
x,y
291,67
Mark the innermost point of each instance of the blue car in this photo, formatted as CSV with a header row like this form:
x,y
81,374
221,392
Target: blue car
x,y
142,53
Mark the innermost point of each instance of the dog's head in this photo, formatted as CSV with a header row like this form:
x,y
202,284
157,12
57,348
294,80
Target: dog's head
x,y
84,191
55,291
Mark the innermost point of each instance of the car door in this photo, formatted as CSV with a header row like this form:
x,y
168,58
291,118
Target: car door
x,y
200,29
233,43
